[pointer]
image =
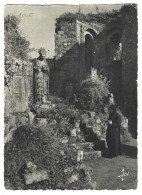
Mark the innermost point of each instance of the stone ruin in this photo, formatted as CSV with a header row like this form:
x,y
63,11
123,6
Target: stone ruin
x,y
81,47
108,45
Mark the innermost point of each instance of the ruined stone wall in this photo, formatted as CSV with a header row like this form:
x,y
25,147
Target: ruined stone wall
x,y
70,64
118,62
18,91
65,38
66,59
129,65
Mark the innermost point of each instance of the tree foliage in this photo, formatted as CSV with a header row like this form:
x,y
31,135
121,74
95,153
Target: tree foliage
x,y
15,44
103,18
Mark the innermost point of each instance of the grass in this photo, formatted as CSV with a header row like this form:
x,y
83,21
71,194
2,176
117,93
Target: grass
x,y
106,171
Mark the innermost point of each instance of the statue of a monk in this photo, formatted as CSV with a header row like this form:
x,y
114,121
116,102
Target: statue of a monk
x,y
41,78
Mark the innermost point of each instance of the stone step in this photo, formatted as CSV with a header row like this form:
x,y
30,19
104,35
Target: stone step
x,y
91,155
86,146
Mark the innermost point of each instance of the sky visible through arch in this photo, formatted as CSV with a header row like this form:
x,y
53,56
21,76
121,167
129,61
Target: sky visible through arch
x,y
38,22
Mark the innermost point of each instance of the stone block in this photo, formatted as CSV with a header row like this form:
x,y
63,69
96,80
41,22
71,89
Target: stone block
x,y
18,85
64,140
42,122
31,117
92,155
12,120
86,146
31,166
36,176
19,103
73,132
73,178
21,119
79,155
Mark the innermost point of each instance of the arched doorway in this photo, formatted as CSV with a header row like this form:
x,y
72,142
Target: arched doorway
x,y
89,49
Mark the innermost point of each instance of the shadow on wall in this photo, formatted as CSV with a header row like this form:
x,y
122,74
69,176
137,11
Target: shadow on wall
x,y
67,71
109,60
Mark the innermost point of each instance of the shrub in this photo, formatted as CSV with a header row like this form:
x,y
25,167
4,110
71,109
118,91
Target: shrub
x,y
93,93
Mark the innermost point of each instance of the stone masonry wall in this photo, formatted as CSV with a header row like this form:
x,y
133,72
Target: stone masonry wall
x,y
18,90
66,59
65,38
129,65
117,61
70,65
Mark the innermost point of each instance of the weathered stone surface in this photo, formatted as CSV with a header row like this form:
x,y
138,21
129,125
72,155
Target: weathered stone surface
x,y
73,132
86,146
36,176
92,155
31,117
73,178
31,166
19,103
21,118
42,122
64,140
79,155
18,84
12,120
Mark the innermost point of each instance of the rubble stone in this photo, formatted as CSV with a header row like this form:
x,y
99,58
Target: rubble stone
x,y
36,176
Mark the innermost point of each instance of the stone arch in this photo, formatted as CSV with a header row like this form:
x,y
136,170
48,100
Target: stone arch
x,y
91,32
89,36
113,45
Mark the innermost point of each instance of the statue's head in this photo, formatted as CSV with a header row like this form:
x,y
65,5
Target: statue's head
x,y
42,53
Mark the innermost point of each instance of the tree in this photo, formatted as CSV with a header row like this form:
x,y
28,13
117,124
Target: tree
x,y
15,44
